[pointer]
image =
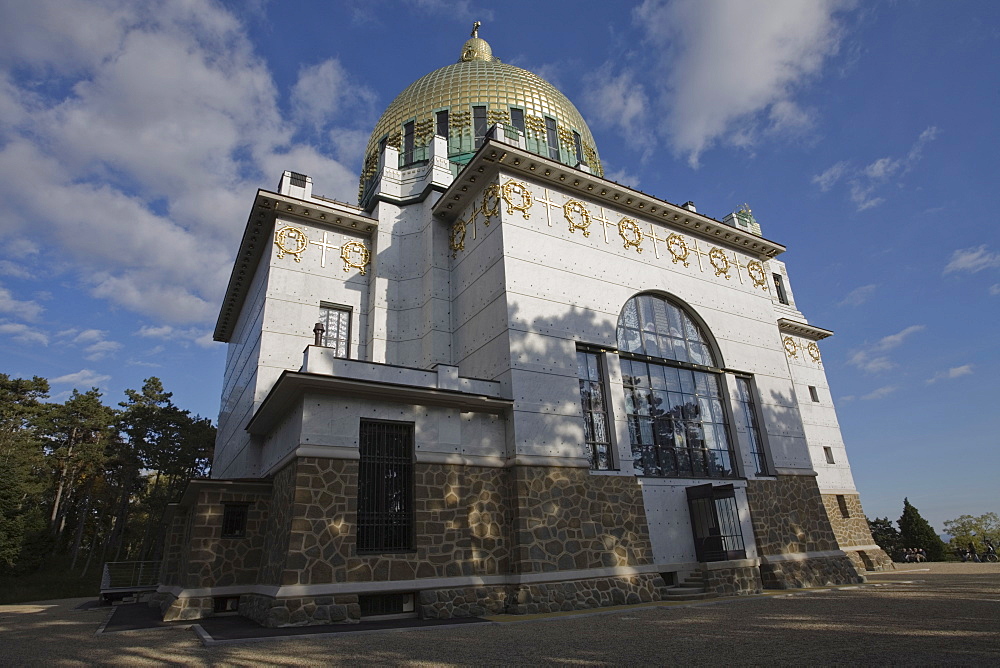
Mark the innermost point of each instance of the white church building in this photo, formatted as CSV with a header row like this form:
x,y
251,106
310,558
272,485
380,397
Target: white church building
x,y
504,384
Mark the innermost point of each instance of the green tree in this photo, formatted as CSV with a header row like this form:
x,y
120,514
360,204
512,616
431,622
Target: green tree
x,y
21,456
886,535
916,532
972,529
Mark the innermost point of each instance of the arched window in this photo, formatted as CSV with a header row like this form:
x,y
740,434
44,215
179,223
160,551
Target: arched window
x,y
677,424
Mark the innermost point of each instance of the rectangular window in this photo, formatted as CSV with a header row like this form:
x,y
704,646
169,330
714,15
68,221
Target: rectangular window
x,y
517,119
479,124
813,394
595,411
842,502
297,179
552,137
828,452
408,143
234,520
578,145
749,418
336,321
385,487
441,128
779,288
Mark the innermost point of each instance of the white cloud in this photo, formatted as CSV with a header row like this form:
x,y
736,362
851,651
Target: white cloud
x,y
732,67
829,178
8,268
880,393
620,100
82,378
972,260
995,289
324,90
872,358
23,333
155,125
858,296
25,310
864,182
200,337
954,372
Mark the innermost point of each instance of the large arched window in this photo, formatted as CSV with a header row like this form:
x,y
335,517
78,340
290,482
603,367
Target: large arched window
x,y
677,425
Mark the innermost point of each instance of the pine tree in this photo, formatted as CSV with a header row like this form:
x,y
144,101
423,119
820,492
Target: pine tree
x,y
886,535
916,532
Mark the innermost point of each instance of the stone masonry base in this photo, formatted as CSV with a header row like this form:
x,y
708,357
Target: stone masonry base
x,y
817,572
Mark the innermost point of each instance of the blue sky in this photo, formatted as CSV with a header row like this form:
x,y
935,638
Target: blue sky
x,y
863,135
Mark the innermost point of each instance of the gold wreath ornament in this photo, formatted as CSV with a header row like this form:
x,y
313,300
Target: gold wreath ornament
x,y
755,270
718,258
291,240
491,202
573,206
678,248
516,190
791,347
355,254
457,241
628,230
813,351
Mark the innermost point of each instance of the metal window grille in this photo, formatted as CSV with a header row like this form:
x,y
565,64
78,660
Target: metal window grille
x,y
385,487
297,179
234,520
749,415
336,321
595,412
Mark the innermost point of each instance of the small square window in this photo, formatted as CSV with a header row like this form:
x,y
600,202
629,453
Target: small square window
x,y
234,520
813,394
842,502
779,288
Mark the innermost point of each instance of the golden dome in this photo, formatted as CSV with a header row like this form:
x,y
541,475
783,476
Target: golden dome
x,y
509,94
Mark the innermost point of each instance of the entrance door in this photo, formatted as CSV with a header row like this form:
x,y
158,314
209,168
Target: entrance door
x,y
715,522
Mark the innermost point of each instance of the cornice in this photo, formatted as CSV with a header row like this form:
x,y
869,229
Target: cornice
x,y
802,329
495,155
267,207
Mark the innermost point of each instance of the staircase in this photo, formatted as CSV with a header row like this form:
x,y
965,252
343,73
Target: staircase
x,y
691,589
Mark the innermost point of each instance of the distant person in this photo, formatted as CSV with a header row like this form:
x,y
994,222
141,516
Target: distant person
x,y
921,554
973,555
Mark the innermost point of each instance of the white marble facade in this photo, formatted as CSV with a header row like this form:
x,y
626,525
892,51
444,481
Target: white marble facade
x,y
469,291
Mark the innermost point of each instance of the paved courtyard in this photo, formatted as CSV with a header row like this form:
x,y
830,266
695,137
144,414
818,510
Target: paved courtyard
x,y
917,615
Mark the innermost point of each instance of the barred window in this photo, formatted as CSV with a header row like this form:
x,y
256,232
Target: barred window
x,y
385,487
234,520
749,418
595,411
336,321
673,397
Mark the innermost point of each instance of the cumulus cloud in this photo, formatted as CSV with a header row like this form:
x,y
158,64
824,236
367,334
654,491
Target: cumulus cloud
x,y
23,333
858,296
147,126
953,372
864,182
93,342
972,260
82,378
732,68
200,337
880,393
24,310
873,358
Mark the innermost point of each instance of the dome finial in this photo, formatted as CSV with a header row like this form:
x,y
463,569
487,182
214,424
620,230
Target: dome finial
x,y
476,48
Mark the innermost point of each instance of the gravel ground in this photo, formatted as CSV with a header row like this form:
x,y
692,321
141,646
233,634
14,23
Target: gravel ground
x,y
920,614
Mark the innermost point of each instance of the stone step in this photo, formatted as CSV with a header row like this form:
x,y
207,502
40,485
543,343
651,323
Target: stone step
x,y
692,584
